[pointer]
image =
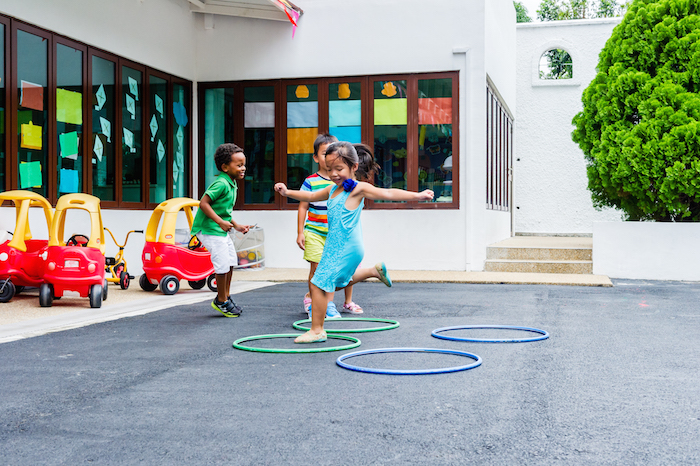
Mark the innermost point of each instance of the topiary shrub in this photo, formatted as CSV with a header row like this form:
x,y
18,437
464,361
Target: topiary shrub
x,y
640,124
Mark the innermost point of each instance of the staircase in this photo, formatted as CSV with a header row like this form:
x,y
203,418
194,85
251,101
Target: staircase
x,y
541,254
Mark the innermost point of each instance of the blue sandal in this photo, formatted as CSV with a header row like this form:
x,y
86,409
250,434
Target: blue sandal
x,y
383,274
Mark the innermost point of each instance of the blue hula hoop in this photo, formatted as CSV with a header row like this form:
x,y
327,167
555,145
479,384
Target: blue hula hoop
x,y
543,335
344,365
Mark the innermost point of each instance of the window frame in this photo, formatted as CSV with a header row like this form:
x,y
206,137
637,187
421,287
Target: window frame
x,y
7,61
168,124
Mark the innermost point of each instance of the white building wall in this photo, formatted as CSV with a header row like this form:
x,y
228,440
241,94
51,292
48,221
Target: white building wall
x,y
551,194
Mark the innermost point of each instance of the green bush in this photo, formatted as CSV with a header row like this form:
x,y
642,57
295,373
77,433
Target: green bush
x,y
640,124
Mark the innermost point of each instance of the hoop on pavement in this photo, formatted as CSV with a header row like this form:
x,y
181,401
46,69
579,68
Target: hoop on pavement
x,y
543,334
344,365
392,325
238,344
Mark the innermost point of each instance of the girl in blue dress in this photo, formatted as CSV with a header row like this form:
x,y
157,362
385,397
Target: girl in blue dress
x,y
344,248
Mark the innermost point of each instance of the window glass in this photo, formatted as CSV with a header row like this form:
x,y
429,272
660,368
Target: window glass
x,y
435,137
302,129
556,64
132,135
390,127
32,121
181,141
69,119
158,142
218,127
3,185
102,141
345,111
259,144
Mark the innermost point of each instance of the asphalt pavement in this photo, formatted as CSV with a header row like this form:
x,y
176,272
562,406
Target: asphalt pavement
x,y
617,382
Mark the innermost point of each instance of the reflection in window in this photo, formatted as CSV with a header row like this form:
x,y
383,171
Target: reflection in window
x,y
390,128
32,121
435,137
158,167
132,134
259,144
556,64
218,127
102,140
69,119
302,129
181,141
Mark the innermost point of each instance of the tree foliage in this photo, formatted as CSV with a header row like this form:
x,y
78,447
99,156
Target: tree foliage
x,y
556,10
640,124
521,13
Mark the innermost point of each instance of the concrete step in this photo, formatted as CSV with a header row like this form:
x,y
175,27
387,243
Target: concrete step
x,y
539,253
539,266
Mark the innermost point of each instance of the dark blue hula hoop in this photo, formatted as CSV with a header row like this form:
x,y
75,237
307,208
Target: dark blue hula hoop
x,y
476,363
543,334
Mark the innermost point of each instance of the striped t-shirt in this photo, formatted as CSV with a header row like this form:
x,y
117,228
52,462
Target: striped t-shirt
x,y
316,220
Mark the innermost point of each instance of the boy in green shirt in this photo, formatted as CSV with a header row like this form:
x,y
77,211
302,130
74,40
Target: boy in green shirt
x,y
213,221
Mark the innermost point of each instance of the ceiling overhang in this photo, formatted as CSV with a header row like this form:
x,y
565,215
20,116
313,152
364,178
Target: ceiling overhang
x,y
258,9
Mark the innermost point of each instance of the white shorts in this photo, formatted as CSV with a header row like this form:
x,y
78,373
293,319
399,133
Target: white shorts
x,y
222,250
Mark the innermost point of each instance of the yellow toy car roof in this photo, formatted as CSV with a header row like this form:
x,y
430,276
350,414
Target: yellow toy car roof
x,y
86,202
23,200
168,210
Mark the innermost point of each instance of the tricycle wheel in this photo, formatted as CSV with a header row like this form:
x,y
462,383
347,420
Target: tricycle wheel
x,y
118,269
96,296
169,284
197,285
124,280
7,290
211,283
146,284
104,290
45,295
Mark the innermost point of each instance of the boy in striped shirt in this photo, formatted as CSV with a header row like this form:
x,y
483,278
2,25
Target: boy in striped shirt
x,y
312,230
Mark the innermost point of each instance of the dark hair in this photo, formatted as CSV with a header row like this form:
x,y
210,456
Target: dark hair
x,y
223,154
366,166
345,151
322,139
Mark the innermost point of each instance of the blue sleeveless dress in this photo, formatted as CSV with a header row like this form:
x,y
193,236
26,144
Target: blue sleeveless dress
x,y
344,247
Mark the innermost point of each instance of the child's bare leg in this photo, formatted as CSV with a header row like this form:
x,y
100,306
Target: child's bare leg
x,y
319,303
222,291
312,271
361,275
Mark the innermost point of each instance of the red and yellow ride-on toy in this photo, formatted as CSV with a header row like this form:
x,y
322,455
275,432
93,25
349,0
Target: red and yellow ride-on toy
x,y
165,263
21,263
78,264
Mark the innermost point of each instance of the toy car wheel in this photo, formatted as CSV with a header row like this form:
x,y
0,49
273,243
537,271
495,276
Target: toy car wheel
x,y
45,295
169,284
124,280
19,289
96,296
104,290
197,285
7,290
211,283
146,284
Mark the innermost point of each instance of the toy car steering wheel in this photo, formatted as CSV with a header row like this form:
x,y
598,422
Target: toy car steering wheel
x,y
77,240
194,243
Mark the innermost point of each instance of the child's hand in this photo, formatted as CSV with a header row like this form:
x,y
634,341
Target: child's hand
x,y
281,188
426,195
226,226
301,241
242,228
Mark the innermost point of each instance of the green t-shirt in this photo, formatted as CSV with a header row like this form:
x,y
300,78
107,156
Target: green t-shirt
x,y
222,193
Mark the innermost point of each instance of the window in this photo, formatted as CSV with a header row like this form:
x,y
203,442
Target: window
x,y
89,121
556,64
409,120
499,153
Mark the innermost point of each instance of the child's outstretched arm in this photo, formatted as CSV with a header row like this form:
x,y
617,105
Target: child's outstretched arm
x,y
304,196
381,194
301,220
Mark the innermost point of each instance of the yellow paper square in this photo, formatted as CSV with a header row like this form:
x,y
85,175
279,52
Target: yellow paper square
x,y
390,111
31,136
301,140
69,107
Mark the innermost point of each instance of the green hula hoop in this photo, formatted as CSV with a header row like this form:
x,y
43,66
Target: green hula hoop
x,y
392,324
237,344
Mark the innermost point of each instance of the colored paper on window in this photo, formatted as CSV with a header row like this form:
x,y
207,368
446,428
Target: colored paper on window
x,y
161,151
176,172
98,148
179,159
134,87
180,136
69,145
131,106
69,181
106,128
32,96
129,139
154,127
69,107
180,114
301,140
351,134
345,113
30,175
390,111
101,97
302,114
31,136
159,105
259,115
435,111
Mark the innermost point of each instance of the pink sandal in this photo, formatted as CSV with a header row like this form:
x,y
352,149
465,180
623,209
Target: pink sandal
x,y
307,304
352,308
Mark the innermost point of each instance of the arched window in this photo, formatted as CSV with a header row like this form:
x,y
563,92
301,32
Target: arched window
x,y
556,64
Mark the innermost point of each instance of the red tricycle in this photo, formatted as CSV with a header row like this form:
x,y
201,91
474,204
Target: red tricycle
x,y
79,263
21,262
164,262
